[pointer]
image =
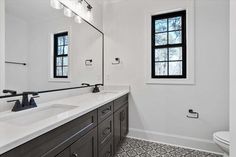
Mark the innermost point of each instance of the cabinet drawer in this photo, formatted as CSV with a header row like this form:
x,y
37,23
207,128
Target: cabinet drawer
x,y
107,150
51,143
86,146
105,131
105,111
64,153
118,103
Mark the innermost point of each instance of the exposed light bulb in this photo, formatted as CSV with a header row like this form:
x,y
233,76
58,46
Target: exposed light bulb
x,y
78,19
89,12
80,5
56,4
89,15
68,12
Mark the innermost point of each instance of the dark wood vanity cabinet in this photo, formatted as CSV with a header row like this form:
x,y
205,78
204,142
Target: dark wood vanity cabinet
x,y
96,134
121,126
86,146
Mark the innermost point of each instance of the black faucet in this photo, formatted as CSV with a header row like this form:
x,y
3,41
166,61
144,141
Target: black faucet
x,y
85,84
96,88
25,99
12,92
25,104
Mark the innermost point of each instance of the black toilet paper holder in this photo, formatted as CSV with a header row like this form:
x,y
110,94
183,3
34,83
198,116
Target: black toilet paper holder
x,y
195,114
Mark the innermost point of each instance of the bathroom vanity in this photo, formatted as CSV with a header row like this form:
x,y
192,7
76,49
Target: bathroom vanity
x,y
70,52
94,130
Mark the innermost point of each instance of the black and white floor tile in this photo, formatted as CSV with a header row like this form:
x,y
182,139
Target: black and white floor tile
x,y
139,148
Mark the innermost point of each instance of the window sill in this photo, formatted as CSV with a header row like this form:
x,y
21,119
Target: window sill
x,y
170,81
59,80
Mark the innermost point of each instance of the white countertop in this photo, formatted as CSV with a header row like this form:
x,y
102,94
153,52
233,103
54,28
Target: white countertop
x,y
12,136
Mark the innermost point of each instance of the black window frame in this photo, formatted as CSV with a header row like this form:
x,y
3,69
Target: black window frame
x,y
56,55
181,14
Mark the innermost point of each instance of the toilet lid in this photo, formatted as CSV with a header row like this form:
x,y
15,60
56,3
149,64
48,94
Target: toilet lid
x,y
222,136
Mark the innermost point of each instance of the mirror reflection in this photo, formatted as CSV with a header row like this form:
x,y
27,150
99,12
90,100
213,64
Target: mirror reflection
x,y
42,53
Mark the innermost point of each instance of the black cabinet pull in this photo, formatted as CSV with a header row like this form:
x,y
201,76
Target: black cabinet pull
x,y
106,110
106,131
75,155
122,116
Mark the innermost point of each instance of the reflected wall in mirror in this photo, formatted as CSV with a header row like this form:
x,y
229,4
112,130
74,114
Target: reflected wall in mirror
x,y
55,51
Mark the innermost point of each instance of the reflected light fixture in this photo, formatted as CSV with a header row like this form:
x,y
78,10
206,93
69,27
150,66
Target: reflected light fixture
x,y
80,5
80,12
89,13
78,19
56,4
68,12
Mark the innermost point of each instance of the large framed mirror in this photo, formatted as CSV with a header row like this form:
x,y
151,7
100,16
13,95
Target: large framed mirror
x,y
46,51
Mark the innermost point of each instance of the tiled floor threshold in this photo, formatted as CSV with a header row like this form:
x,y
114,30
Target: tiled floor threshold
x,y
139,148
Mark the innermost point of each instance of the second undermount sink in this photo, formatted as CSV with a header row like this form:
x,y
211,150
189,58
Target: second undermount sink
x,y
35,115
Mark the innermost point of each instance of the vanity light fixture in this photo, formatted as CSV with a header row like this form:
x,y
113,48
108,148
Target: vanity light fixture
x,y
78,19
80,5
56,4
68,12
89,12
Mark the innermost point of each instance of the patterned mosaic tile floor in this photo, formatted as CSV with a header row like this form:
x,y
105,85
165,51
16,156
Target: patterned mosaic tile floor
x,y
138,148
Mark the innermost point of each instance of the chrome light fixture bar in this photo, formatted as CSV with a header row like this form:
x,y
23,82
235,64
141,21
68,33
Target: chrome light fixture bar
x,y
56,4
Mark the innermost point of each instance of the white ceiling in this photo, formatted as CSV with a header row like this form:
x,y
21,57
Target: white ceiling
x,y
32,10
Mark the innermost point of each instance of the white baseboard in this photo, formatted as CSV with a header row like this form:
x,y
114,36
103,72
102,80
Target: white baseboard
x,y
175,140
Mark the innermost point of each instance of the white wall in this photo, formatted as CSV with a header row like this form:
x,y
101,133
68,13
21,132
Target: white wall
x,y
85,43
232,78
2,44
17,47
158,112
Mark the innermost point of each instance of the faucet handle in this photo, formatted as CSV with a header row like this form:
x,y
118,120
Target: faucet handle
x,y
96,89
13,100
85,84
12,92
99,84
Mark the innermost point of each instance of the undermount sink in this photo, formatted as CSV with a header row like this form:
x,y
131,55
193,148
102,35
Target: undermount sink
x,y
37,114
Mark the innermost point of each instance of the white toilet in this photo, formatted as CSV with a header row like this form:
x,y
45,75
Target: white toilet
x,y
222,140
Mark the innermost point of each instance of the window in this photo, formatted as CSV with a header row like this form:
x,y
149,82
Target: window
x,y
60,68
169,45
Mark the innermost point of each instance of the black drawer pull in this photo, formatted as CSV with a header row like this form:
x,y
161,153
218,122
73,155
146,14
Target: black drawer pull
x,y
106,131
122,116
106,110
75,155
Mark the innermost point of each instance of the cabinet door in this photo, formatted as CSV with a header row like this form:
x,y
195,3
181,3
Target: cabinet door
x,y
124,122
117,130
107,150
65,153
121,118
86,146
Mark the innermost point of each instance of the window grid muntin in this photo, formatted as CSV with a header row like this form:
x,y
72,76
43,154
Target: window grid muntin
x,y
168,16
62,55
